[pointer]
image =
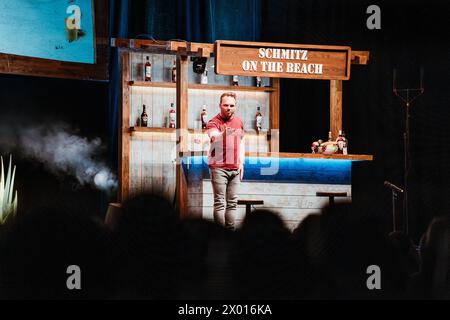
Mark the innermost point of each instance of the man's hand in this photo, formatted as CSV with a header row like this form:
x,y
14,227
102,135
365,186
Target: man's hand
x,y
214,134
241,171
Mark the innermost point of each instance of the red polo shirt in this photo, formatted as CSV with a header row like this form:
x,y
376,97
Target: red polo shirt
x,y
224,152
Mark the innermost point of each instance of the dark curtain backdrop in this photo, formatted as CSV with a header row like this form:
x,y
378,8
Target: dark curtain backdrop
x,y
413,35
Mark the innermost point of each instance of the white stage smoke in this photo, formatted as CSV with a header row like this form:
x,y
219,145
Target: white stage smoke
x,y
64,152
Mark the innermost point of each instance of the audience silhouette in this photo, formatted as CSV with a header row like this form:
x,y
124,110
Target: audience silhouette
x,y
152,254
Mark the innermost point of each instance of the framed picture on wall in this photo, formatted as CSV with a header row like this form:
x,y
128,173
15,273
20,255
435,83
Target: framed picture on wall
x,y
54,38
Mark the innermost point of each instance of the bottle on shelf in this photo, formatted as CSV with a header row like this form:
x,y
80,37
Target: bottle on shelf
x,y
258,81
144,117
344,149
174,71
172,116
148,70
315,147
235,81
320,148
258,119
204,116
204,77
340,143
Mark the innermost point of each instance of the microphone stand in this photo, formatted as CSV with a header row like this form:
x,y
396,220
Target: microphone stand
x,y
394,190
411,94
394,214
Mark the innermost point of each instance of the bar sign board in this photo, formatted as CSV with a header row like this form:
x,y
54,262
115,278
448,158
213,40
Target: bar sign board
x,y
282,60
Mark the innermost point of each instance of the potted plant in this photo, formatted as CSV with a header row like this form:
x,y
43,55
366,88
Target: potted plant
x,y
8,203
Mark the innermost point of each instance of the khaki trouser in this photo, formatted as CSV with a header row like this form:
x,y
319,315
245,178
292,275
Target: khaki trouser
x,y
225,185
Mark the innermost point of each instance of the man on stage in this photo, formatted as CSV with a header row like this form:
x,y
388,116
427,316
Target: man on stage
x,y
226,159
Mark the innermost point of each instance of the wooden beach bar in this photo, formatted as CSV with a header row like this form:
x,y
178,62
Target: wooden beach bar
x,y
170,158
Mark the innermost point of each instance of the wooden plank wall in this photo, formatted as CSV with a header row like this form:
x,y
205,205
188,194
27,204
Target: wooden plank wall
x,y
152,155
158,100
152,164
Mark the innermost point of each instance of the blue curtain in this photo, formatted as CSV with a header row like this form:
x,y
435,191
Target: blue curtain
x,y
118,27
209,20
190,20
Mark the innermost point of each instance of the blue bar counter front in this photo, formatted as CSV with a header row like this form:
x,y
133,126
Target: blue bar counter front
x,y
274,169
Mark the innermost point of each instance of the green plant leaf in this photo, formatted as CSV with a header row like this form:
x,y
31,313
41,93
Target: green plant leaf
x,y
15,203
2,189
8,205
11,186
8,182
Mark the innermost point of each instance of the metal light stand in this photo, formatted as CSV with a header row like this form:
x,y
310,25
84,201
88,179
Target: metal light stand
x,y
395,190
407,96
394,213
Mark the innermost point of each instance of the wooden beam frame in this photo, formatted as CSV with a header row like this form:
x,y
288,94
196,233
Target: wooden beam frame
x,y
182,131
335,107
183,50
274,121
174,47
124,122
360,57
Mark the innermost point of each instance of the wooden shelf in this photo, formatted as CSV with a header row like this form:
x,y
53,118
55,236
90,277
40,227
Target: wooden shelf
x,y
230,88
168,130
148,129
152,84
172,130
200,86
360,157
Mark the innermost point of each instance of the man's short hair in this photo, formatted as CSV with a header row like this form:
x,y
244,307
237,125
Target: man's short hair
x,y
228,94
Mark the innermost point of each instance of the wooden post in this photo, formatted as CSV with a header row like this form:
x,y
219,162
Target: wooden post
x,y
181,192
274,121
182,102
124,123
181,133
335,107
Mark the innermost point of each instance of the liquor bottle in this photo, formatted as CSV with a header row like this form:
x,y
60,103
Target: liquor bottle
x,y
204,77
172,116
148,70
203,117
258,81
144,117
320,148
258,119
330,137
315,147
235,81
340,143
174,72
344,149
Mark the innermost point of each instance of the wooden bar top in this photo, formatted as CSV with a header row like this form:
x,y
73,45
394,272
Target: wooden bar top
x,y
356,157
